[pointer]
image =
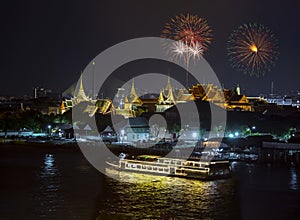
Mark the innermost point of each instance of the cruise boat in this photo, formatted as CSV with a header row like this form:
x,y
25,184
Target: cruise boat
x,y
174,167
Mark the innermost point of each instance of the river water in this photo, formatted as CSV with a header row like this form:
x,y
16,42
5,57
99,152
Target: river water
x,y
47,183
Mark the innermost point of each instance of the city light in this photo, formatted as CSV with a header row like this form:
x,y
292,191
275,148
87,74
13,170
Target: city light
x,y
49,129
194,134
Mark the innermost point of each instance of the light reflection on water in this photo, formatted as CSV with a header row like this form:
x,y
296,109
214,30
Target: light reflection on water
x,y
61,184
294,185
50,181
145,196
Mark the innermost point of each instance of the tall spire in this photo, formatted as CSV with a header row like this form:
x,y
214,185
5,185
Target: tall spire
x,y
169,87
81,84
161,98
238,89
133,97
81,94
169,97
133,92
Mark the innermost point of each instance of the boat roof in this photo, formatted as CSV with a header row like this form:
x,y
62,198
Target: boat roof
x,y
148,156
179,159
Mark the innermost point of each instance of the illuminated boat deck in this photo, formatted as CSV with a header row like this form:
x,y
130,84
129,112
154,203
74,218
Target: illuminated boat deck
x,y
176,167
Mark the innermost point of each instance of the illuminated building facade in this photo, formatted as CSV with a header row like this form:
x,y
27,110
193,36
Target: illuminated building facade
x,y
224,98
103,106
169,97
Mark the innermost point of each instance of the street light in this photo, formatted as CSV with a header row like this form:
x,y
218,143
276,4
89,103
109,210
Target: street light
x,y
49,128
93,83
194,135
122,135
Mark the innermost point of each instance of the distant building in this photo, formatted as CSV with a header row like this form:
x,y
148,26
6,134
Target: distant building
x,y
234,101
120,98
224,98
268,107
103,106
39,92
293,101
136,129
132,101
131,105
108,135
127,104
44,105
169,97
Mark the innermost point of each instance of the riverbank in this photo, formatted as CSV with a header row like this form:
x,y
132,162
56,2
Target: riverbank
x,y
263,155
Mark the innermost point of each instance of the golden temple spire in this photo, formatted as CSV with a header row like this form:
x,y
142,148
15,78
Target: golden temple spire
x,y
169,97
161,98
133,97
81,96
133,92
169,87
81,84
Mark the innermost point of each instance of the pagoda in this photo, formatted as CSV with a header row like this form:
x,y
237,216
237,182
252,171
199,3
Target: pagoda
x,y
132,101
166,98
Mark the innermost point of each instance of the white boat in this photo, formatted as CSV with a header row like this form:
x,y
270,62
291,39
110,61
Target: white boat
x,y
174,167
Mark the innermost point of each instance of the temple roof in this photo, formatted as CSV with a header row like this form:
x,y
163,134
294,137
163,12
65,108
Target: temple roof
x,y
166,95
133,98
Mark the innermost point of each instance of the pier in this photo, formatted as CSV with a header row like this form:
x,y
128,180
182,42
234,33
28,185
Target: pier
x,y
280,152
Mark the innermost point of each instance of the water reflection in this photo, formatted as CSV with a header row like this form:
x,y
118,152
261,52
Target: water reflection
x,y
293,184
145,196
48,166
48,196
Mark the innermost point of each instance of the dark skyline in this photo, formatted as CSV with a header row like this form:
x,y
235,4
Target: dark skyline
x,y
47,43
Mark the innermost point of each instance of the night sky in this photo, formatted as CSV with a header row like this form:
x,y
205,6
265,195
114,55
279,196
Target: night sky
x,y
48,42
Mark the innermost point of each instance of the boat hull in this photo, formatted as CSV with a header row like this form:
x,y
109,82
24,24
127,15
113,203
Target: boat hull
x,y
172,171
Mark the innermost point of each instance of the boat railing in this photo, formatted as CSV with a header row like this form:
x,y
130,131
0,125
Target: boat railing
x,y
172,163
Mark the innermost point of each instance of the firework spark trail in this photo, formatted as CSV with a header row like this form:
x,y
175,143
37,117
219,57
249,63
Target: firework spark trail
x,y
252,49
196,51
192,35
189,29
